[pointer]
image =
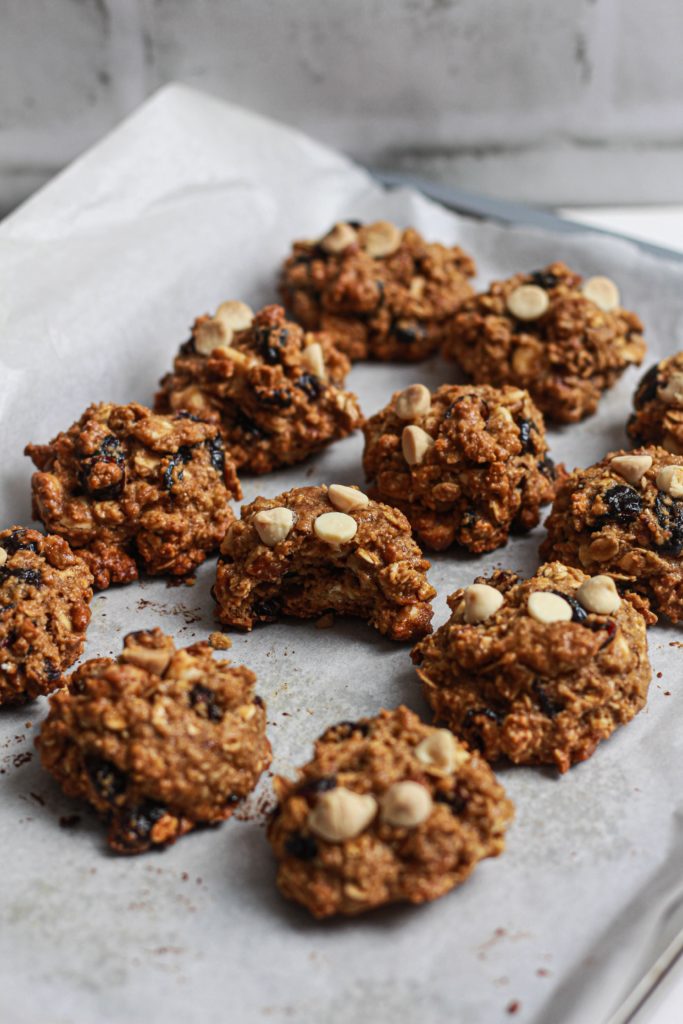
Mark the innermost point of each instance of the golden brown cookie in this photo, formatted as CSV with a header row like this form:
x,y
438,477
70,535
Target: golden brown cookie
x,y
467,465
315,550
624,516
540,670
133,490
381,292
45,593
388,810
564,339
658,405
277,389
160,741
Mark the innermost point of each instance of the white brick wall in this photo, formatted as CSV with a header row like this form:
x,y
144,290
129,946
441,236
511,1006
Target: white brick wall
x,y
570,102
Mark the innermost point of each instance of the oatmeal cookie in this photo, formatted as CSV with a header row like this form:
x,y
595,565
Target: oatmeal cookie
x,y
315,550
381,292
658,404
537,671
466,464
129,490
389,810
277,389
45,592
160,741
564,340
624,516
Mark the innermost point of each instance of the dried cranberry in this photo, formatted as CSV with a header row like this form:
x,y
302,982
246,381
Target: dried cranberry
x,y
279,397
214,446
179,459
52,673
408,333
134,825
301,847
579,613
112,453
203,699
270,342
267,609
525,428
32,577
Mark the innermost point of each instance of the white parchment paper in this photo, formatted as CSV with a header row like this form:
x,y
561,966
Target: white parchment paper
x,y
191,202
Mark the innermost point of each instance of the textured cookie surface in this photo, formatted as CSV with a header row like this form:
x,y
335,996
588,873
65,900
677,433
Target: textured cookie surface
x,y
526,670
381,292
624,516
128,488
543,331
276,388
159,741
315,550
466,465
45,592
388,810
658,406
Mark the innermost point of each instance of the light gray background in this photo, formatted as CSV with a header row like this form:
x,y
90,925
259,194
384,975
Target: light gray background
x,y
570,102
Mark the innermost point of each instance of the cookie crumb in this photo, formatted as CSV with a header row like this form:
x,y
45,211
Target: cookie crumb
x,y
220,642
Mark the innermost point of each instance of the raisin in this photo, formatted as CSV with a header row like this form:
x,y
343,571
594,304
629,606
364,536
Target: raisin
x,y
623,504
647,389
108,780
32,577
310,385
525,428
550,708
345,729
203,700
112,453
547,467
485,410
579,613
669,515
267,609
544,279
185,415
408,333
455,800
179,459
17,542
270,343
134,825
52,673
494,716
301,847
279,397
248,426
314,786
214,446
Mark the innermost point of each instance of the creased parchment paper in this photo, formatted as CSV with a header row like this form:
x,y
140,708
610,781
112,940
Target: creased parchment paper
x,y
191,202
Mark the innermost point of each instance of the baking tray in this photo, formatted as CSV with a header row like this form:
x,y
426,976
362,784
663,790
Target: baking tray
x,y
188,202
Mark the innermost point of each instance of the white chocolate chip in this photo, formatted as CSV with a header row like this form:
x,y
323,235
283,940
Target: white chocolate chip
x,y
314,360
414,402
335,527
603,292
235,315
339,238
341,814
415,443
528,302
481,602
599,594
3,556
273,524
671,391
406,804
441,753
347,499
381,239
670,481
546,607
631,468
